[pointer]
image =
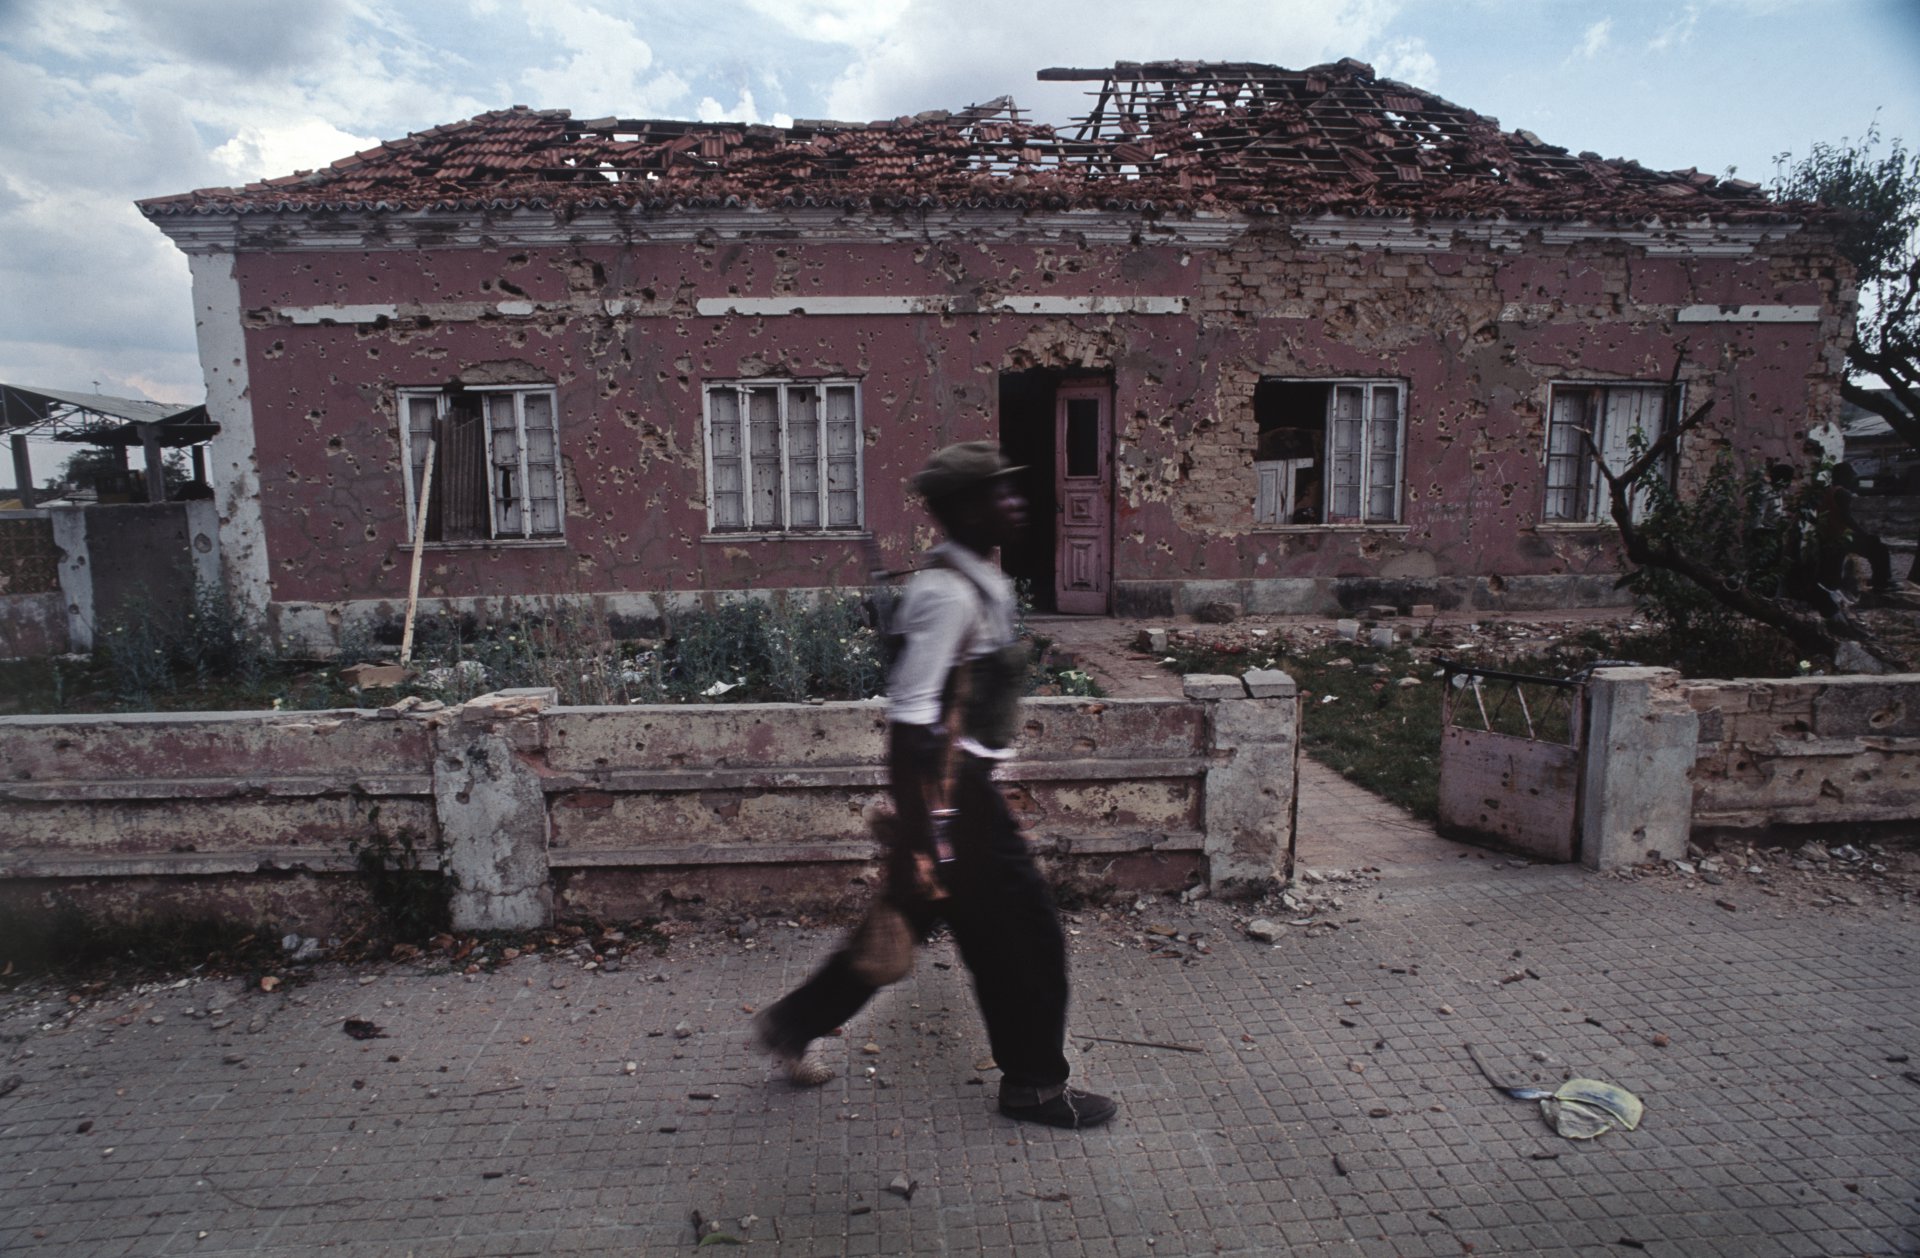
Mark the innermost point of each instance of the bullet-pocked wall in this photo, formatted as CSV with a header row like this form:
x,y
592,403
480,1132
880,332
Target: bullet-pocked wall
x,y
629,321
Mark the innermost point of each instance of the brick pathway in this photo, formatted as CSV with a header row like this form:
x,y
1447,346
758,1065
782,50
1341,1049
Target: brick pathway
x,y
1330,1111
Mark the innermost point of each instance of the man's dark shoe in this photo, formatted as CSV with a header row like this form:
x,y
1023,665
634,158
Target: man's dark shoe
x,y
1070,1108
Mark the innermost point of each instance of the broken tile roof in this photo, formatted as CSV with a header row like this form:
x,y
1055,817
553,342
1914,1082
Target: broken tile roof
x,y
1163,137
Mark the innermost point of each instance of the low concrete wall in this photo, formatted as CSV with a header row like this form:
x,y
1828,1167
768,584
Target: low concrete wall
x,y
66,570
1669,758
538,812
1806,752
33,614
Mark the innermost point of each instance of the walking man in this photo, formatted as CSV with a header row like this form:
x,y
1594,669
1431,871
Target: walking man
x,y
956,853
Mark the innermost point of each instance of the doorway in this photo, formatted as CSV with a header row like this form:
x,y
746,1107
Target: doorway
x,y
1059,427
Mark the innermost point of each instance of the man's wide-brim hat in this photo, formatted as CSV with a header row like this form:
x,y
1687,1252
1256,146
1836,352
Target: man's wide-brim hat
x,y
961,467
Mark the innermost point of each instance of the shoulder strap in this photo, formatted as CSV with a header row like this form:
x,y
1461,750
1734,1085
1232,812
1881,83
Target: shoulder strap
x,y
979,590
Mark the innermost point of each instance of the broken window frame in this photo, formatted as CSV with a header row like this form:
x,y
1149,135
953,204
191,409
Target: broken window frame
x,y
512,506
1274,506
1573,492
766,493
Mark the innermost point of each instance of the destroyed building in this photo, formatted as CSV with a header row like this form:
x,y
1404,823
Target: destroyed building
x,y
1296,340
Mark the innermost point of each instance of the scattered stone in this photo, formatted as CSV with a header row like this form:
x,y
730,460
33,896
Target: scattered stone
x,y
1218,612
870,1048
1445,1011
368,676
682,1030
901,1186
1661,1041
1263,930
1152,641
1854,658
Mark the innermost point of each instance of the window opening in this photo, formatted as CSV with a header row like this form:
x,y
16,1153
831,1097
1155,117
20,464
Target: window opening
x,y
1083,437
1328,452
496,471
784,456
1612,413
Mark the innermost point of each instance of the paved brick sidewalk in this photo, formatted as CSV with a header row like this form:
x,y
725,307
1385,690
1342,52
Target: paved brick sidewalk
x,y
1330,1111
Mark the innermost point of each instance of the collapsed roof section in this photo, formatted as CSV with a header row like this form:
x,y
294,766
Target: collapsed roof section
x,y
1167,137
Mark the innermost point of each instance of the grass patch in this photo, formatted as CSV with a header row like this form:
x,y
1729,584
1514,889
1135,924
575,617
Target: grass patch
x,y
1357,719
1360,721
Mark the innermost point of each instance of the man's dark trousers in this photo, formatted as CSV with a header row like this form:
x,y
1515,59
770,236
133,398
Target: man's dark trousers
x,y
1003,920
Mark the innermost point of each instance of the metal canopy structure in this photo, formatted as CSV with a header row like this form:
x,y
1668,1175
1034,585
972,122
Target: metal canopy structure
x,y
102,420
67,416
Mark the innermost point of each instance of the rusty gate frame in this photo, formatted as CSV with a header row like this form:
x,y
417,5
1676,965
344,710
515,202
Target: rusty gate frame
x,y
1519,791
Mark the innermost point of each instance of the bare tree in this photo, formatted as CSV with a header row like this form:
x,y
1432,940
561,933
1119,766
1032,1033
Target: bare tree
x,y
1878,231
1811,630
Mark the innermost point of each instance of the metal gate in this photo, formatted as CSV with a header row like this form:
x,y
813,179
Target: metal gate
x,y
1510,753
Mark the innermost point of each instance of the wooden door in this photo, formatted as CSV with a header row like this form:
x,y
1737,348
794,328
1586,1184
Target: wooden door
x,y
1083,497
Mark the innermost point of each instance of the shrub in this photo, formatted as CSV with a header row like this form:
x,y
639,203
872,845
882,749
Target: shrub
x,y
1746,528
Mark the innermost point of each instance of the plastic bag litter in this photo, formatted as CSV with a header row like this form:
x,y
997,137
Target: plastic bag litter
x,y
1578,1109
1581,1109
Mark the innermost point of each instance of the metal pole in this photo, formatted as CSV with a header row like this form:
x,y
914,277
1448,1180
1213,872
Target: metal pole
x,y
156,464
23,470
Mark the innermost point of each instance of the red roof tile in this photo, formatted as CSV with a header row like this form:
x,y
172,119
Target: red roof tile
x,y
1163,137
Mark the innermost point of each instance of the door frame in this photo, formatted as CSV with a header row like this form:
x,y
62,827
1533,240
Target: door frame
x,y
1083,510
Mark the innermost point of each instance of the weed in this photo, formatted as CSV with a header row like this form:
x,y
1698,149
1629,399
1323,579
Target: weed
x,y
411,895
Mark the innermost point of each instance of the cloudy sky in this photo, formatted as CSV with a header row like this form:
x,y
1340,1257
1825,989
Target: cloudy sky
x,y
105,101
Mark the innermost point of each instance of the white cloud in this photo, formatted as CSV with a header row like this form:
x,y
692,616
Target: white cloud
x,y
108,101
946,54
744,110
1595,38
1676,32
855,23
1408,61
264,151
605,69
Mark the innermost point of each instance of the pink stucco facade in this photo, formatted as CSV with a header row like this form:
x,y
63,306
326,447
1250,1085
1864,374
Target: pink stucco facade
x,y
1475,331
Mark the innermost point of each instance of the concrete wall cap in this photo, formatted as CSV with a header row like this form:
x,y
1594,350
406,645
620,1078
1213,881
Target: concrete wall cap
x,y
1213,686
1269,683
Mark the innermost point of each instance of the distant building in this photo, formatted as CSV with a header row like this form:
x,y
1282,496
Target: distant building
x,y
1886,462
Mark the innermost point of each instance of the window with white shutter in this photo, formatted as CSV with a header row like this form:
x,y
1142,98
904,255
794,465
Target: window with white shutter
x,y
1611,414
783,456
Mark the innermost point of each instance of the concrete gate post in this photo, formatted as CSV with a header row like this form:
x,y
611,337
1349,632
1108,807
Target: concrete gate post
x,y
1637,783
493,812
1254,774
